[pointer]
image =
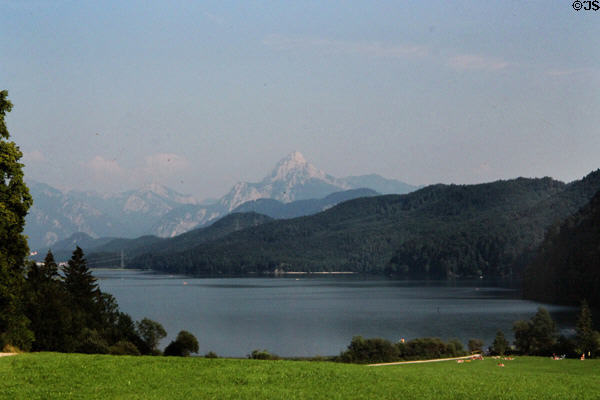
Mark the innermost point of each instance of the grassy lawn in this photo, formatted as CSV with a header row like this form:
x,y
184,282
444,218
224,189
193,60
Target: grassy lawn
x,y
64,376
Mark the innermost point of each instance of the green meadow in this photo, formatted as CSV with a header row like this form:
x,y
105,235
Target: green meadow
x,y
77,376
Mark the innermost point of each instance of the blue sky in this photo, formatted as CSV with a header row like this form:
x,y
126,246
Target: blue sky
x,y
199,95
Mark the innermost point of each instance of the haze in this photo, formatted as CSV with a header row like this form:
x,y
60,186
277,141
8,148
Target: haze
x,y
199,95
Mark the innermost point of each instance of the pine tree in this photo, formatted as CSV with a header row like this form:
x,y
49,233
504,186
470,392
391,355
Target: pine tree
x,y
587,338
83,293
47,306
15,201
500,344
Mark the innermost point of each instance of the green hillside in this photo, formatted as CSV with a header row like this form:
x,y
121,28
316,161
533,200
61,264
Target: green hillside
x,y
151,244
567,267
440,231
76,376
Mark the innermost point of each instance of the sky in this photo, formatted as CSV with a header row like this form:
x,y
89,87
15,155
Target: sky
x,y
197,96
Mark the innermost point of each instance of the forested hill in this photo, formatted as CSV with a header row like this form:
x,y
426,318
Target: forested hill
x,y
567,267
440,231
109,254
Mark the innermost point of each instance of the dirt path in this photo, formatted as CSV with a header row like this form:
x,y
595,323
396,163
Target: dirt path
x,y
421,361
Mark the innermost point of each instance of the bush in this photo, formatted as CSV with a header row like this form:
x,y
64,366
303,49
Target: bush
x,y
91,343
455,348
380,350
376,350
425,348
262,355
150,332
124,347
211,354
475,345
174,349
185,344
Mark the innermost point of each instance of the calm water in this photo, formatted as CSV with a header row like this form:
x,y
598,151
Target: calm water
x,y
316,316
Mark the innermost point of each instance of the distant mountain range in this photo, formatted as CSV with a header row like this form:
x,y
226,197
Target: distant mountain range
x,y
262,210
293,178
440,231
55,215
160,211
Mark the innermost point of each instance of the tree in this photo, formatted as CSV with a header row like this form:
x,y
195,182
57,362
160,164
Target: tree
x,y
47,306
84,295
500,344
536,336
543,333
185,344
587,339
151,332
475,345
15,201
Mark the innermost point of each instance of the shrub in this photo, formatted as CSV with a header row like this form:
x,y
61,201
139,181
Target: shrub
x,y
91,343
211,354
185,344
174,349
376,350
475,345
124,347
262,355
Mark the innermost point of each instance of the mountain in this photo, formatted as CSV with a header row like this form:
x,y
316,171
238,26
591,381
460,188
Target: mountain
x,y
278,210
566,268
251,213
56,214
110,253
292,179
440,231
156,209
379,184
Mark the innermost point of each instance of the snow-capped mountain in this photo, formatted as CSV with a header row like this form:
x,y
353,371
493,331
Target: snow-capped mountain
x,y
292,179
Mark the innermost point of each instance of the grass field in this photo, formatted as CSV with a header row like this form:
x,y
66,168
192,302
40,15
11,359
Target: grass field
x,y
64,376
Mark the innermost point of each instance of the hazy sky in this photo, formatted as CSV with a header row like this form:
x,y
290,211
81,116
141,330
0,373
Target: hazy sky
x,y
109,95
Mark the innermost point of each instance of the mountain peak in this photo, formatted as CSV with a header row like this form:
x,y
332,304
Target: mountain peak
x,y
294,166
296,157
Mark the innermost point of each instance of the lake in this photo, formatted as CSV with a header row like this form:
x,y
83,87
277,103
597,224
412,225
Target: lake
x,y
307,316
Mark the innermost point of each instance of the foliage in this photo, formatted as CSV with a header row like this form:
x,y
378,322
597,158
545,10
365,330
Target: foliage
x,y
154,245
69,313
15,201
378,350
566,268
151,332
48,307
441,231
211,354
91,342
262,355
123,347
374,350
475,345
536,336
58,376
183,345
500,344
587,339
